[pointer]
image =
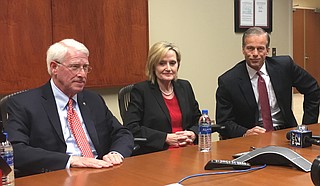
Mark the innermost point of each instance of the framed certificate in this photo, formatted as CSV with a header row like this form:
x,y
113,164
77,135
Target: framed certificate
x,y
250,13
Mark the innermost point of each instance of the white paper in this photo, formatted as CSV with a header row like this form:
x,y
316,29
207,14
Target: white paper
x,y
261,13
246,13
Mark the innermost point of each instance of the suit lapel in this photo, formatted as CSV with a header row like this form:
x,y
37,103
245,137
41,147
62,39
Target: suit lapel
x,y
180,94
158,96
275,76
85,113
49,104
246,89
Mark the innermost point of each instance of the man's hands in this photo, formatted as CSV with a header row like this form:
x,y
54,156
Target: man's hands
x,y
255,131
108,160
180,138
113,157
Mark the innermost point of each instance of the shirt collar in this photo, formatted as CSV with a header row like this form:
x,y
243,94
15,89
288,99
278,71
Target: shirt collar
x,y
252,72
60,97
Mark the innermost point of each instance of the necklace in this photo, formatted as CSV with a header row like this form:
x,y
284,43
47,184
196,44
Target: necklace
x,y
165,93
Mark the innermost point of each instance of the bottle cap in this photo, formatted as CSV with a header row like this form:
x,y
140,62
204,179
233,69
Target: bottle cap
x,y
205,111
6,134
3,137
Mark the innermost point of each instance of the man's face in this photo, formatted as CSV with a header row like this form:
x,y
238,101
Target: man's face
x,y
70,75
255,50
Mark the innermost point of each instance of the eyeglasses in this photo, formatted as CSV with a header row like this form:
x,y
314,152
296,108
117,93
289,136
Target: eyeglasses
x,y
76,68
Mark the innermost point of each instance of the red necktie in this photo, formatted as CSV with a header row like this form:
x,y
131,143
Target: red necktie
x,y
77,131
264,104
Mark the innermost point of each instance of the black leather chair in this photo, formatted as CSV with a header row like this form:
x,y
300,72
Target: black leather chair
x,y
4,119
124,100
3,107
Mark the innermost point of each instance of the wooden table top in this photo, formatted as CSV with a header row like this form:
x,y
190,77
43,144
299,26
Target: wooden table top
x,y
171,166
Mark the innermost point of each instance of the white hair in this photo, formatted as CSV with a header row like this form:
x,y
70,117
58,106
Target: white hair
x,y
58,51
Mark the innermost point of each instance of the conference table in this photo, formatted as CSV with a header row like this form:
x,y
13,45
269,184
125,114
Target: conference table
x,y
168,167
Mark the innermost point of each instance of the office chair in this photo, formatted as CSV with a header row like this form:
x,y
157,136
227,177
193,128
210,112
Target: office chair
x,y
124,100
4,119
3,107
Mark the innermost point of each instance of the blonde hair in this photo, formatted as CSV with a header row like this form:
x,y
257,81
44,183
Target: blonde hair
x,y
156,53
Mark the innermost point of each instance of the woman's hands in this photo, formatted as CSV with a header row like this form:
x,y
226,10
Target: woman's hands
x,y
180,138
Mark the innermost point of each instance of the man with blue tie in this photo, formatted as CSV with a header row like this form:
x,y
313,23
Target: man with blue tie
x,y
60,125
255,96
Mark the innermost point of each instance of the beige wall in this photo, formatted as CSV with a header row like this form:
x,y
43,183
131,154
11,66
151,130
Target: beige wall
x,y
306,3
203,29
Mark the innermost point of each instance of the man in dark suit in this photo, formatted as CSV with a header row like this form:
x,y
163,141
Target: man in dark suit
x,y
39,127
238,104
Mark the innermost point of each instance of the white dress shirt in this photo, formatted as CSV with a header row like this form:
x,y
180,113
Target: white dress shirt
x,y
274,107
62,102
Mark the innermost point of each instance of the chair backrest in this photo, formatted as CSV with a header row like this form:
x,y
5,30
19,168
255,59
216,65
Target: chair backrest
x,y
3,106
124,99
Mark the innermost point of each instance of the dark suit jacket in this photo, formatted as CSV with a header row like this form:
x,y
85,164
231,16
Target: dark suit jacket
x,y
35,131
148,115
237,108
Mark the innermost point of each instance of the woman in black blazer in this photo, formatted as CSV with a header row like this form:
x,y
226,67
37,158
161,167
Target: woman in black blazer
x,y
163,109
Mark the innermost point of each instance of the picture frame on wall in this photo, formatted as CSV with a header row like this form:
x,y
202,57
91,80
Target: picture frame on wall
x,y
251,13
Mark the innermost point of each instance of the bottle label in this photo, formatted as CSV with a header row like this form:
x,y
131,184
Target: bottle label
x,y
205,129
8,158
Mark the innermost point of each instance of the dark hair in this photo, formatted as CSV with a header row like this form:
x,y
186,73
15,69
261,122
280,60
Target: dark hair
x,y
255,31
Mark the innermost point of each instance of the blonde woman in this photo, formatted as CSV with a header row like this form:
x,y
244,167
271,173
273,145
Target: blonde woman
x,y
163,109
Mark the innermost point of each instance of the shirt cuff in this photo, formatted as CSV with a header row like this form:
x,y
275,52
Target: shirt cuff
x,y
115,152
68,163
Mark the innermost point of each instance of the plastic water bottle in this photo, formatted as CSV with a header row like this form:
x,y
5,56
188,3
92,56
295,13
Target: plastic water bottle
x,y
204,132
7,154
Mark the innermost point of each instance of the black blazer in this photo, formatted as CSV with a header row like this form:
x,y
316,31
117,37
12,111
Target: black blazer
x,y
148,115
236,106
34,130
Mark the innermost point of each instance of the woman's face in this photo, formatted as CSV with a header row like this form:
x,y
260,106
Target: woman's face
x,y
167,68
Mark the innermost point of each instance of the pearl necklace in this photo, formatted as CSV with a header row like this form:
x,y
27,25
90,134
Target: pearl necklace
x,y
166,94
